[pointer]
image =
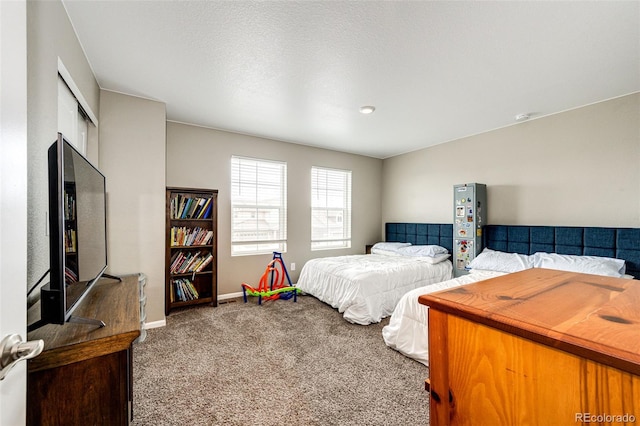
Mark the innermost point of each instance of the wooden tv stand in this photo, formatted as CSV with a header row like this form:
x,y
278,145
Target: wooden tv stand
x,y
84,374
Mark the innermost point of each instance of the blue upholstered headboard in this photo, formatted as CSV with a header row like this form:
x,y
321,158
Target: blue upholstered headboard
x,y
421,234
621,243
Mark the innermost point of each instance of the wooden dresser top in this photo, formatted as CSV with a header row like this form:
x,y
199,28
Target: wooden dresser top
x,y
115,303
591,316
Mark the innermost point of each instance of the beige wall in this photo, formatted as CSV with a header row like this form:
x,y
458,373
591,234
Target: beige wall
x,y
201,158
49,36
580,167
132,157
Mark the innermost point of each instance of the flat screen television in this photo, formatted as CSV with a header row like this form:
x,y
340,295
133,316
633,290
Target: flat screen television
x,y
77,234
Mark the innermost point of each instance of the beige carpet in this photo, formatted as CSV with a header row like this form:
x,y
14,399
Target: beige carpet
x,y
282,363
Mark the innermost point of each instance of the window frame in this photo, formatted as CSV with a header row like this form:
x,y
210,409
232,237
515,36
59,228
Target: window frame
x,y
265,245
342,214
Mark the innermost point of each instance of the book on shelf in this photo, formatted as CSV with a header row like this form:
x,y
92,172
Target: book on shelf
x,y
204,209
193,289
198,206
184,236
188,265
187,262
184,290
202,263
185,208
69,206
205,238
207,213
179,208
70,241
190,207
181,205
70,276
177,261
180,291
193,203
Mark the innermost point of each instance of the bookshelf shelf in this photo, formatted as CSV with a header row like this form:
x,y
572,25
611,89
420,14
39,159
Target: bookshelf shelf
x,y
191,247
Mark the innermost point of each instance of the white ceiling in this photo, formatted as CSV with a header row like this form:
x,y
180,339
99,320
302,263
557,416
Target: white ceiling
x,y
298,71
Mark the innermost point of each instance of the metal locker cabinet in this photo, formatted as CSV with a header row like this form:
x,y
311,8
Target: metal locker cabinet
x,y
469,218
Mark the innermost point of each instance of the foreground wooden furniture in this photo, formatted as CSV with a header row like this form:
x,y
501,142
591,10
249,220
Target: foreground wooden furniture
x,y
84,374
536,347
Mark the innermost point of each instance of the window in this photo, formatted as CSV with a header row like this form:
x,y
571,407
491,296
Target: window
x,y
258,206
330,208
73,121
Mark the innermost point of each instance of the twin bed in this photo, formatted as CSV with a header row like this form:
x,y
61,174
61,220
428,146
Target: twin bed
x,y
367,288
602,251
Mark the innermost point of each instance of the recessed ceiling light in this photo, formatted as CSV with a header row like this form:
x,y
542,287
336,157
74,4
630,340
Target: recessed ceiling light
x,y
367,109
522,117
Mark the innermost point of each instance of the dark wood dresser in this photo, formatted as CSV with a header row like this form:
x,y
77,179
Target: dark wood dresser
x,y
84,374
538,347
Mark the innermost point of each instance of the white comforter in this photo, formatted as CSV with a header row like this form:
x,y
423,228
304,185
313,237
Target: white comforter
x,y
366,288
407,329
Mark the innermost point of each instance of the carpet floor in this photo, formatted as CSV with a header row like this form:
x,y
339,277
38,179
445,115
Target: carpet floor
x,y
279,363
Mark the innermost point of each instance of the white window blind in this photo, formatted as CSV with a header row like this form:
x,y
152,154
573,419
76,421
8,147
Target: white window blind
x,y
72,120
258,206
330,208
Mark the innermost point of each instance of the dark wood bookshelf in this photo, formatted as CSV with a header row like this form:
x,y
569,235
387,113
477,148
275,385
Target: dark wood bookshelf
x,y
191,209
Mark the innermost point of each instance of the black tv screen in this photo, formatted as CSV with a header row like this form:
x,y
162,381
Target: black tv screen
x,y
77,226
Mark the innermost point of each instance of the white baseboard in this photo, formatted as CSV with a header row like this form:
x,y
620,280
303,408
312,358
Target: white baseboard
x,y
229,296
163,323
155,324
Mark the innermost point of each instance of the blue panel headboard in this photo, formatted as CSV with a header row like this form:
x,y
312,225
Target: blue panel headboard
x,y
421,234
621,243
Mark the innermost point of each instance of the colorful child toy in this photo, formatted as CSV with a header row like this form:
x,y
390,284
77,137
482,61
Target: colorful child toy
x,y
275,288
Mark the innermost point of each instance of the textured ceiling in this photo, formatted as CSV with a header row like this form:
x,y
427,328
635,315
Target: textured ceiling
x,y
299,71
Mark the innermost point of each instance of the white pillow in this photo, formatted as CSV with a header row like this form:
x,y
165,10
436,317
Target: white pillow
x,y
422,251
597,265
435,259
375,250
500,261
389,246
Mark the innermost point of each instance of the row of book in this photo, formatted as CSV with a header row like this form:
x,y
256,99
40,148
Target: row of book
x,y
70,276
184,262
188,207
183,290
69,206
70,244
183,236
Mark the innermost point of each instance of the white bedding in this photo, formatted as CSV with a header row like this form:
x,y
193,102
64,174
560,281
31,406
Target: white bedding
x,y
407,329
366,288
